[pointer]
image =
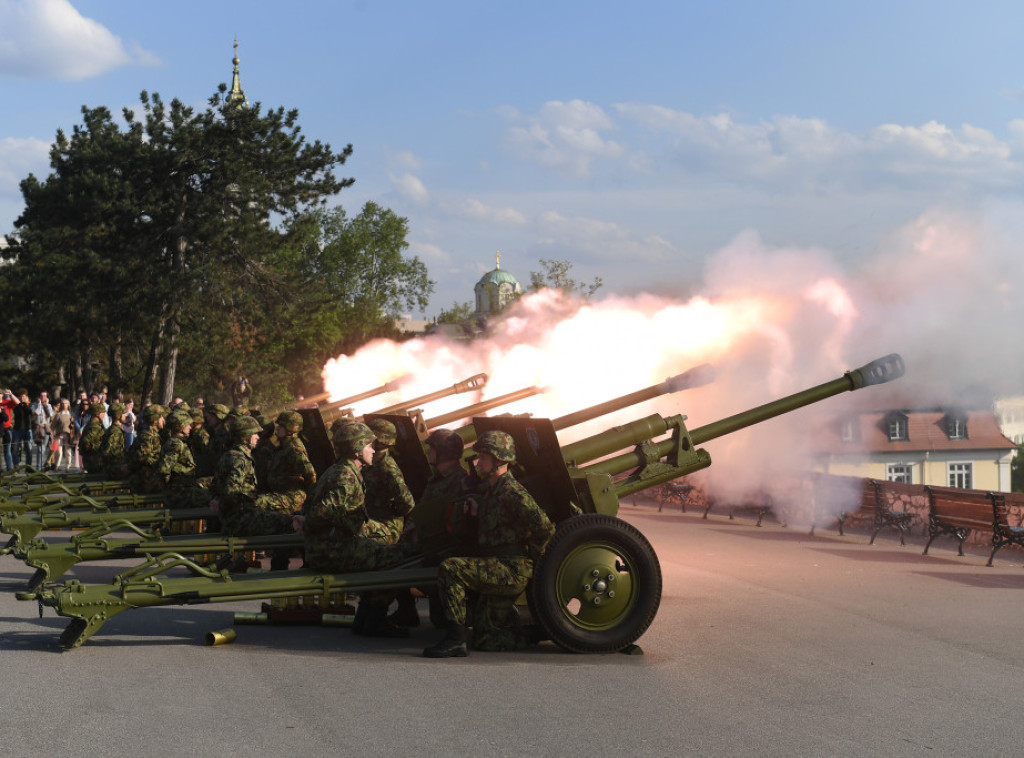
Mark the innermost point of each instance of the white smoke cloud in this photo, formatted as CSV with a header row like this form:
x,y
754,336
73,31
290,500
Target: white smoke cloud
x,y
49,38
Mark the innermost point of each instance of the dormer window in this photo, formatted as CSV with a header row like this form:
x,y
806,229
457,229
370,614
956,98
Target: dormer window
x,y
897,428
848,430
956,427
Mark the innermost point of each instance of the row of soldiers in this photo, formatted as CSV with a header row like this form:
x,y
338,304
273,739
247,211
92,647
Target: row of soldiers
x,y
257,479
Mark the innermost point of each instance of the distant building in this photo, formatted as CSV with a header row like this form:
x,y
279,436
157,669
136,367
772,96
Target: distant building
x,y
1010,412
495,290
948,447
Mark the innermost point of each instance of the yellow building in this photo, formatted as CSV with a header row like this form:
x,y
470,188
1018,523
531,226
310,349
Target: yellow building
x,y
942,447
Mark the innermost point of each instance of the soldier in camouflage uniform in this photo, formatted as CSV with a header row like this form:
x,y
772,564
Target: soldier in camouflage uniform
x,y
290,475
388,500
264,451
112,448
332,522
236,503
144,453
176,466
512,532
216,418
449,482
199,440
91,444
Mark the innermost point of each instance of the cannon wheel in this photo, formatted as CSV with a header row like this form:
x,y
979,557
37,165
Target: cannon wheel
x,y
597,587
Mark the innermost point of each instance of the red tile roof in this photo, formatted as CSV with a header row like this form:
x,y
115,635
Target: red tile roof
x,y
926,430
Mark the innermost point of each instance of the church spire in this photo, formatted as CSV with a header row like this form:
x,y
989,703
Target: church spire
x,y
236,95
497,259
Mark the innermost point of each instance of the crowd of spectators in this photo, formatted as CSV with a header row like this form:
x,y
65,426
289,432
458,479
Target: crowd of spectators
x,y
44,434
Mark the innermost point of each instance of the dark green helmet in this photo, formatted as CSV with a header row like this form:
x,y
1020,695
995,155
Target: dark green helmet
x,y
291,421
384,431
499,444
243,427
447,444
178,420
351,437
218,411
153,412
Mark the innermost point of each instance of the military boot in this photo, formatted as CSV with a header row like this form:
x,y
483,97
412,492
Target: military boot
x,y
377,624
406,613
453,645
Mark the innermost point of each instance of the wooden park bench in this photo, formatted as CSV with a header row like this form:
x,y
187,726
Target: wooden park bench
x,y
956,512
1004,533
875,504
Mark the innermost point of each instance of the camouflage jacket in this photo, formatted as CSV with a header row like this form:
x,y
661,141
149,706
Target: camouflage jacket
x,y
261,455
510,521
289,467
387,496
91,446
448,484
234,481
176,467
142,458
112,450
335,508
199,444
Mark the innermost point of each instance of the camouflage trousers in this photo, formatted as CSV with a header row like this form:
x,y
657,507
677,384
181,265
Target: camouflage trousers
x,y
249,520
289,501
498,582
358,554
384,532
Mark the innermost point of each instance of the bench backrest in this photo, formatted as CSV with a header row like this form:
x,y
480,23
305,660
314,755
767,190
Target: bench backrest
x,y
969,509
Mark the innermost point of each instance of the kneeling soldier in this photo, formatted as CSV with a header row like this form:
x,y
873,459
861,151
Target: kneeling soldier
x,y
512,532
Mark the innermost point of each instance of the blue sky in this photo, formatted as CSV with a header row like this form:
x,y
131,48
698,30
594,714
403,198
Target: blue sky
x,y
635,140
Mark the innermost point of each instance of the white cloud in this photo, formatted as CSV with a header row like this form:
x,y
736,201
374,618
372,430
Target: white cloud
x,y
429,252
19,158
411,188
405,160
599,240
562,136
474,209
42,39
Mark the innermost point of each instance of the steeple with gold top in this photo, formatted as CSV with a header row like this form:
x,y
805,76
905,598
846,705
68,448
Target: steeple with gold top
x,y
495,289
236,95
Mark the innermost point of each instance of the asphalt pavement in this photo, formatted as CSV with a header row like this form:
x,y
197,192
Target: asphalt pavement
x,y
768,642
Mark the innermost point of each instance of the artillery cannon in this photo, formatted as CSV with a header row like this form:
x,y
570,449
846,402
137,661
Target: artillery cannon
x,y
597,587
52,559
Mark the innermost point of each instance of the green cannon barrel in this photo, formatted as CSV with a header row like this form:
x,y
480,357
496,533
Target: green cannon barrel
x,y
391,386
475,382
483,405
695,377
876,372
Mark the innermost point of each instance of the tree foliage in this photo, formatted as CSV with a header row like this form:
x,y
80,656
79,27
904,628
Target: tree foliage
x,y
201,235
555,275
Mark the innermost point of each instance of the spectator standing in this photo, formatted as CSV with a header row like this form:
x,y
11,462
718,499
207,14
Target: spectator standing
x,y
7,404
129,424
81,418
62,428
21,432
42,412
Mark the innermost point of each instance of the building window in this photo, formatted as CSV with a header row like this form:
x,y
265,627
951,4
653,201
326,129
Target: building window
x,y
960,475
897,428
956,427
899,472
847,431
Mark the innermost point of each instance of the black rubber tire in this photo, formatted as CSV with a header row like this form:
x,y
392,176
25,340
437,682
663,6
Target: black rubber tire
x,y
563,589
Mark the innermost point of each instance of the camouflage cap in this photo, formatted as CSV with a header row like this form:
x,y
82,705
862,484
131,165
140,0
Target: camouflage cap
x,y
384,431
178,420
152,412
117,409
197,415
499,444
447,444
291,421
97,409
217,410
243,427
182,406
351,437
